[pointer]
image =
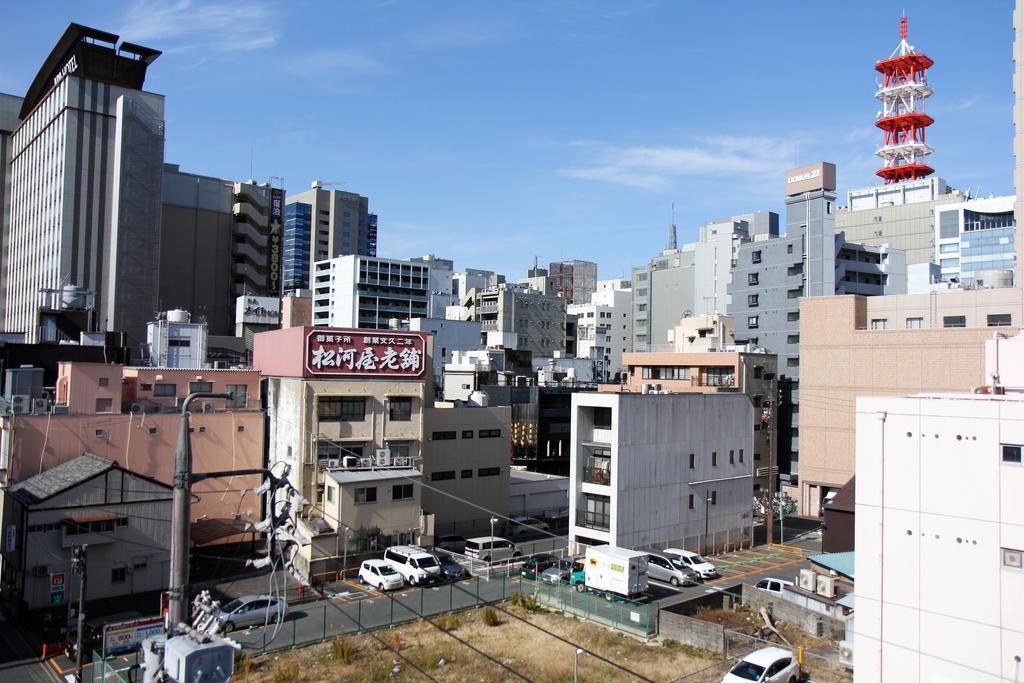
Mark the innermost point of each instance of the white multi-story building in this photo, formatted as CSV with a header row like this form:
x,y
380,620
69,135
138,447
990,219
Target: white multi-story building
x,y
174,341
85,174
660,470
439,284
974,242
939,538
604,329
368,292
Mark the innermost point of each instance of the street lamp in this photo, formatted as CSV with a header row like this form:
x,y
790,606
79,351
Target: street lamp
x,y
707,512
494,520
576,666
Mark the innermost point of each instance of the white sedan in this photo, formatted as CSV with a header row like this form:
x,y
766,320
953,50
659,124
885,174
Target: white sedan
x,y
767,665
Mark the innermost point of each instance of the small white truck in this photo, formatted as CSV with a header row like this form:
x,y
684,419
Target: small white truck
x,y
615,571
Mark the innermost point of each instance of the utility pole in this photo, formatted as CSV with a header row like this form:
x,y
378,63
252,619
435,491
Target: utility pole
x,y
180,514
768,423
707,513
78,566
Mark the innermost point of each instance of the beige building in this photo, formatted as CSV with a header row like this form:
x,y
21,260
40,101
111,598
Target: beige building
x,y
466,457
854,346
385,500
701,333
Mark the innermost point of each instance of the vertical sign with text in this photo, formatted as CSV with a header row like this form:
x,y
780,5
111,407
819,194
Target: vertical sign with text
x,y
276,228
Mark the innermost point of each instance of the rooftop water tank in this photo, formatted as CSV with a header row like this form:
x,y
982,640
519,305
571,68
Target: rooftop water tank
x,y
178,315
74,298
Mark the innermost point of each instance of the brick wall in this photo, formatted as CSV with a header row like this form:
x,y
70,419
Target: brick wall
x,y
691,631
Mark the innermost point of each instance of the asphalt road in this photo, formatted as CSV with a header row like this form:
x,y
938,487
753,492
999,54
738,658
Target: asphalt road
x,y
18,660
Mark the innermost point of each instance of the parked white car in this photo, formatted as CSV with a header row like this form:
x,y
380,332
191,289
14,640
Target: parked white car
x,y
491,548
773,586
526,525
381,575
767,665
704,569
252,610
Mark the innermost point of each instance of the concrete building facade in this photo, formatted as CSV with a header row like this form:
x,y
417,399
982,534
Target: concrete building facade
x,y
85,167
660,470
575,280
537,319
368,292
604,326
975,242
174,341
919,507
451,337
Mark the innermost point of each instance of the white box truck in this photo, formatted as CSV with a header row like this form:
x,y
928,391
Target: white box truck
x,y
615,571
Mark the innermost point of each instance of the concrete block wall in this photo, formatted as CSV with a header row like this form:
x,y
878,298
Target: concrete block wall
x,y
691,631
815,623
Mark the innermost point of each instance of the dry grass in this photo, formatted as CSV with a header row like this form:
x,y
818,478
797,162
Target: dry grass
x,y
528,650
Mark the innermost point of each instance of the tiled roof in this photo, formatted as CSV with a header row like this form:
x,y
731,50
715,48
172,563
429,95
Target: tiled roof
x,y
60,478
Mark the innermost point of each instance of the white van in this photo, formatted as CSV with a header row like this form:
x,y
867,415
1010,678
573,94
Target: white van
x,y
415,564
773,586
491,548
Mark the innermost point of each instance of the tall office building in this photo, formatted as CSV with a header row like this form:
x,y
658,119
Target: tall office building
x,y
322,224
367,292
974,242
85,173
219,240
575,280
772,275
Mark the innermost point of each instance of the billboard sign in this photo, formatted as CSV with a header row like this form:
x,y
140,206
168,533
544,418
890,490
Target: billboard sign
x,y
257,310
126,636
365,353
819,176
57,581
276,224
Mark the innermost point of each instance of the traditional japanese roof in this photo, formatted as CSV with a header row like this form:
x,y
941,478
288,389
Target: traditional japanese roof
x,y
60,478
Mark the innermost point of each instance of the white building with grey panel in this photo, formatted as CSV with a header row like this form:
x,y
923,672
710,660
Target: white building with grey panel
x,y
667,470
367,292
86,163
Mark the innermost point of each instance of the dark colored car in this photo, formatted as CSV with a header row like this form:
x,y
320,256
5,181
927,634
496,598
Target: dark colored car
x,y
451,543
537,564
451,570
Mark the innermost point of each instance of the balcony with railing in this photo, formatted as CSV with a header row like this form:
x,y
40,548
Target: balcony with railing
x,y
593,519
598,471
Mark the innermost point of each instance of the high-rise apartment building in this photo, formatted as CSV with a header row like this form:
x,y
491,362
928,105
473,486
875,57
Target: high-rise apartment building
x,y
439,286
219,240
322,224
604,327
85,173
772,275
536,319
575,280
367,292
692,280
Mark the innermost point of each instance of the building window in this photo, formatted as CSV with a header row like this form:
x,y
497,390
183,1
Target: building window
x,y
330,494
466,474
341,409
442,476
597,512
755,256
366,495
489,434
692,461
104,381
793,316
752,300
795,293
954,321
401,492
467,433
752,322
949,224
488,472
238,395
1011,453
104,405
691,501
752,278
165,390
914,323
400,409
999,320
443,436
741,455
602,418
196,387
793,339
789,248
792,362
732,457
714,458
119,574
879,323
714,497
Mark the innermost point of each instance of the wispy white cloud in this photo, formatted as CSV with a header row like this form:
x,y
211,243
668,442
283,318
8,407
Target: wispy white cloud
x,y
959,105
230,26
656,167
462,33
334,63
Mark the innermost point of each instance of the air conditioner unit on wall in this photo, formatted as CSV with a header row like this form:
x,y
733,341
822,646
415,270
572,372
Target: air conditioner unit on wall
x,y
40,570
846,653
137,409
826,586
40,406
21,404
383,457
808,580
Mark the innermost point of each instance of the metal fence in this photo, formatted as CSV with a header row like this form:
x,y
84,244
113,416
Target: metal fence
x,y
638,618
821,666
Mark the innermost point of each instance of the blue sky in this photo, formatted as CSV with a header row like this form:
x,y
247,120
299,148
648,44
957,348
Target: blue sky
x,y
491,132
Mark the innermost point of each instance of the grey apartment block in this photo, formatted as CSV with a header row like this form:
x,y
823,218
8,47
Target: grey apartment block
x,y
341,223
537,319
659,470
9,108
771,275
85,172
575,280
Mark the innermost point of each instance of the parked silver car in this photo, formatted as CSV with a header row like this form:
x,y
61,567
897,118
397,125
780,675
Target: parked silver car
x,y
668,568
252,610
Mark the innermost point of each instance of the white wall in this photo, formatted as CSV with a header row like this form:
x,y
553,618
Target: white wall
x,y
935,505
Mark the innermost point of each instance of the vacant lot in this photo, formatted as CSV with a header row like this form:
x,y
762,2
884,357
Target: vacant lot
x,y
518,645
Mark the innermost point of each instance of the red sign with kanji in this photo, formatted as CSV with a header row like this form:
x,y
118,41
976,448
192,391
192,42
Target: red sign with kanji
x,y
365,353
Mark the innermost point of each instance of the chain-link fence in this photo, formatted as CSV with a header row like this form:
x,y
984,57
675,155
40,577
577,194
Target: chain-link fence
x,y
638,618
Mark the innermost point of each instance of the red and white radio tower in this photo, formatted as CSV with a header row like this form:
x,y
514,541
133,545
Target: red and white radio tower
x,y
903,91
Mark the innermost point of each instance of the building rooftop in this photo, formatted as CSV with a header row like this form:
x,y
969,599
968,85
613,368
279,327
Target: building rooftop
x,y
524,475
840,563
61,478
353,476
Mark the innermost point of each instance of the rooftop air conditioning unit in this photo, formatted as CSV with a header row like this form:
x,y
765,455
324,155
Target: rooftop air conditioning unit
x,y
61,410
350,461
137,409
333,462
21,404
846,654
401,462
383,456
808,580
826,586
40,406
366,462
